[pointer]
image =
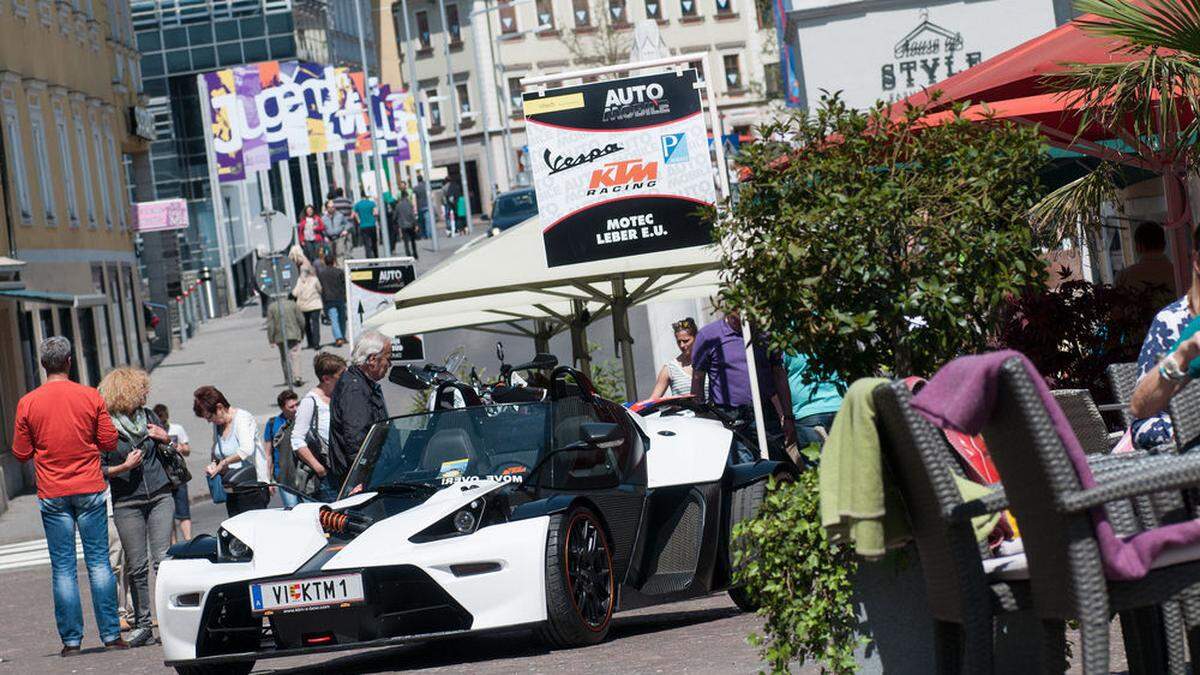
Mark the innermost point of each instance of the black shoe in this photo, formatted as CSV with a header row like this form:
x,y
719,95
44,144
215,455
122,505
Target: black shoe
x,y
140,637
69,650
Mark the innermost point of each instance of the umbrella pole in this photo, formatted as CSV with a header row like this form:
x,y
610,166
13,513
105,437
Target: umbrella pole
x,y
620,316
755,392
581,356
1177,203
541,337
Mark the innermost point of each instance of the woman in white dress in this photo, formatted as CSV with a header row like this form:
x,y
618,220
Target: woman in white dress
x,y
675,378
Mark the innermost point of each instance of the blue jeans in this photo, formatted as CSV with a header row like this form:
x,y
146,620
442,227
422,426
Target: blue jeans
x,y
806,428
289,500
327,490
336,311
60,517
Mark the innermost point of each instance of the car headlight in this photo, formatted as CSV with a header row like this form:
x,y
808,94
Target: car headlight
x,y
232,549
480,512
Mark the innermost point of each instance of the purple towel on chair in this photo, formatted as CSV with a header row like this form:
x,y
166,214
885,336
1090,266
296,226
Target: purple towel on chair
x,y
962,396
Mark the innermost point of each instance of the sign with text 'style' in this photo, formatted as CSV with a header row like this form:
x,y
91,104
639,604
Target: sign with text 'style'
x,y
621,167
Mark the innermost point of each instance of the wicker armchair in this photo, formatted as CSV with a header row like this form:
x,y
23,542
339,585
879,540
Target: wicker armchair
x,y
964,595
1085,419
1067,575
1123,377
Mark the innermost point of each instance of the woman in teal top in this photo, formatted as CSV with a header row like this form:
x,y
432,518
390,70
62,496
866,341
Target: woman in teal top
x,y
813,405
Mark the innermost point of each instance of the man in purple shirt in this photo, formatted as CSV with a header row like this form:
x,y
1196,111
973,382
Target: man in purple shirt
x,y
719,355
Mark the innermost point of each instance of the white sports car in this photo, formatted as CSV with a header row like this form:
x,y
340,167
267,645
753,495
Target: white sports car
x,y
551,514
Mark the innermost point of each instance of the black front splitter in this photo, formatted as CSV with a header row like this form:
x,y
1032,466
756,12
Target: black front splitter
x,y
326,649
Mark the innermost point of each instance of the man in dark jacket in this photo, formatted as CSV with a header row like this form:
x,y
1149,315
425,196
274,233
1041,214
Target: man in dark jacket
x,y
357,403
333,296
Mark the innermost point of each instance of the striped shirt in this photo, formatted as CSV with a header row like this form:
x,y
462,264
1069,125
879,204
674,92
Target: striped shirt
x,y
343,204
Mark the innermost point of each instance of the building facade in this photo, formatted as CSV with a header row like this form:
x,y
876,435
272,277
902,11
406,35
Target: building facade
x,y
493,45
180,39
69,88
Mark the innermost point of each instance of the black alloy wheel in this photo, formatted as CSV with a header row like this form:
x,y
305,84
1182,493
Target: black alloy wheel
x,y
589,571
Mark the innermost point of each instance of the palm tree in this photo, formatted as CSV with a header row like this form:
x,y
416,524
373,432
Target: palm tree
x,y
1146,104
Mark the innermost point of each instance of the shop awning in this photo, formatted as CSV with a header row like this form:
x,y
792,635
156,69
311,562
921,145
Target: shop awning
x,y
57,298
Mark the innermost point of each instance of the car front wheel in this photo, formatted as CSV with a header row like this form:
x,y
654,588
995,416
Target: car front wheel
x,y
580,587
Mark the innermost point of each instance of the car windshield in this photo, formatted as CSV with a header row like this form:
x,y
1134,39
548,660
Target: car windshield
x,y
445,446
517,204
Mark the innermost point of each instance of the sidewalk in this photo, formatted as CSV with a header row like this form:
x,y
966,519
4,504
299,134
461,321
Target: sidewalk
x,y
232,354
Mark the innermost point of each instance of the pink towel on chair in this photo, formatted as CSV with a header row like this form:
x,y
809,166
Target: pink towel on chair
x,y
962,396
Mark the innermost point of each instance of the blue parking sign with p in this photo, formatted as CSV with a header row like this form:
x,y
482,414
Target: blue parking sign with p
x,y
674,148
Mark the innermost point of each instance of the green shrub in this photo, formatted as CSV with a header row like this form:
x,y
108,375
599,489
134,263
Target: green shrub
x,y
801,582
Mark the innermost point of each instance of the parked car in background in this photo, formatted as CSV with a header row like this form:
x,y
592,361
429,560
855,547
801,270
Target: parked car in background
x,y
512,208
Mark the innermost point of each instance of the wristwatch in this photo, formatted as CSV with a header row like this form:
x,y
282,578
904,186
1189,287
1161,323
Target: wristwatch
x,y
1169,369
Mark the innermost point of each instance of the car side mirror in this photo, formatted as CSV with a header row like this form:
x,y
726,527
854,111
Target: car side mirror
x,y
600,434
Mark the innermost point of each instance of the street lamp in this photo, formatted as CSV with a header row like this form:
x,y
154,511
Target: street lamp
x,y
462,163
426,159
380,222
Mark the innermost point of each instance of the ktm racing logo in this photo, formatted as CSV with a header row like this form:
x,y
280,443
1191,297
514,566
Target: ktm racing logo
x,y
631,174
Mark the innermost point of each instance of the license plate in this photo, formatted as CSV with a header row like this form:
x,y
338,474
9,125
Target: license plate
x,y
295,594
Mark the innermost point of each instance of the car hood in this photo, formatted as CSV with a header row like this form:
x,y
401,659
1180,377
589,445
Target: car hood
x,y
284,541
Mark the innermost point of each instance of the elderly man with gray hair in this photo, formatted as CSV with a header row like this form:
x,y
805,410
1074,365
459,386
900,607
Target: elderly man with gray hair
x,y
63,427
356,403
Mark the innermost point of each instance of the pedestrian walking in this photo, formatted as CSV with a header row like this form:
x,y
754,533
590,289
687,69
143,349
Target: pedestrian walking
x,y
311,232
450,195
237,451
365,215
406,219
336,228
287,341
63,427
143,508
392,221
272,445
183,505
422,207
333,297
356,403
307,292
310,433
814,402
675,377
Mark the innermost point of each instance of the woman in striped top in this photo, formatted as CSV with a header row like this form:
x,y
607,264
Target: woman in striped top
x,y
675,378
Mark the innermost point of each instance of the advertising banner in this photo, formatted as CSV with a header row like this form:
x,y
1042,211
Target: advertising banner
x,y
272,111
164,214
370,285
620,167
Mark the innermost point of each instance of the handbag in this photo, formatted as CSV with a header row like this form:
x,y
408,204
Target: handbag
x,y
216,489
174,465
306,480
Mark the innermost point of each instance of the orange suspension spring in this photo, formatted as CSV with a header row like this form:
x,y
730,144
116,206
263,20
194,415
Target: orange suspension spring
x,y
332,521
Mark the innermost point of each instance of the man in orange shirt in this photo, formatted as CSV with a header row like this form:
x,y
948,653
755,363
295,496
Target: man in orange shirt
x,y
63,427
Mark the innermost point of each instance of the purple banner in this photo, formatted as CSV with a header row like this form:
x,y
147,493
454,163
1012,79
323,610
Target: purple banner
x,y
227,146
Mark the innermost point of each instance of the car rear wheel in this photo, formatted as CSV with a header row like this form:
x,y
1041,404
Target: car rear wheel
x,y
235,668
745,503
580,586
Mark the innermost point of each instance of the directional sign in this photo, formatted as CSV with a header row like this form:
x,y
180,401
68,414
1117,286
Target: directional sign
x,y
371,284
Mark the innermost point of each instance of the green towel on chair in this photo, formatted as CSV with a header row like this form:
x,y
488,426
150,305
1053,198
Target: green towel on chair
x,y
859,506
856,506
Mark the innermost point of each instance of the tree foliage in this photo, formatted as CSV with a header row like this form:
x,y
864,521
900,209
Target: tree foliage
x,y
880,244
800,580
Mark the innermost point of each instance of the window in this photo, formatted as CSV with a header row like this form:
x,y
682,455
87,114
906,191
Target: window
x,y
773,75
68,164
423,30
582,13
724,7
86,169
733,73
16,151
105,197
515,100
115,167
654,10
688,8
464,99
453,24
508,19
46,179
435,107
616,12
545,15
